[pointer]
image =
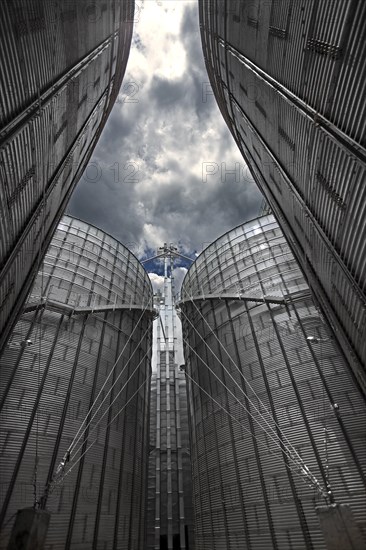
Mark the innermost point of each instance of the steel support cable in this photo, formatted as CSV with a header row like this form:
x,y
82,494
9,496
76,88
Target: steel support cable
x,y
106,380
300,475
244,393
282,444
299,463
111,404
60,469
245,380
230,375
60,480
76,440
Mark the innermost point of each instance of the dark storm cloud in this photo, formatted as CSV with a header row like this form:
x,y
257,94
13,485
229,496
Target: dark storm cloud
x,y
164,93
161,171
201,92
119,125
101,203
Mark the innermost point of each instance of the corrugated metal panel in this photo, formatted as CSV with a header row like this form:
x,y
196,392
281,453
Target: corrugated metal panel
x,y
52,56
288,78
48,387
242,483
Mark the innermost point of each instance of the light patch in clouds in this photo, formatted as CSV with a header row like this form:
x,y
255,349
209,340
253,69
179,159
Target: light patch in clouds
x,y
178,274
158,29
157,281
169,170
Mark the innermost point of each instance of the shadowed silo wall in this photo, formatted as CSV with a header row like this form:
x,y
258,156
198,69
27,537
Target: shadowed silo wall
x,y
289,79
169,506
62,65
247,291
91,315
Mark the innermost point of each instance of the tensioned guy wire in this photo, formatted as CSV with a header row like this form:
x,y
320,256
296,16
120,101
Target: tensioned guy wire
x,y
59,481
111,404
106,380
301,476
56,480
280,445
75,441
276,436
242,390
243,377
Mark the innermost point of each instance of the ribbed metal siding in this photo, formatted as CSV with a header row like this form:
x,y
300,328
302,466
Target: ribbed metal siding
x,y
244,496
315,50
288,77
169,503
67,363
35,52
61,69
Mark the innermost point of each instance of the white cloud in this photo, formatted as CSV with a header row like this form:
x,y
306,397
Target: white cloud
x,y
164,133
157,281
158,27
153,236
178,274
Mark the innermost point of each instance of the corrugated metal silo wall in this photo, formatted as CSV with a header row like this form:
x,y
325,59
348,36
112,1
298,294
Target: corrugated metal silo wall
x,y
48,387
254,359
169,507
289,78
62,65
169,503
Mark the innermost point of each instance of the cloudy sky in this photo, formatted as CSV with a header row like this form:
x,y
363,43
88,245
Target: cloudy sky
x,y
160,172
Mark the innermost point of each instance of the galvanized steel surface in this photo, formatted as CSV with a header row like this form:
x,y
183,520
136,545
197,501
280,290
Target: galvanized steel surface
x,y
169,499
51,371
245,496
61,66
289,78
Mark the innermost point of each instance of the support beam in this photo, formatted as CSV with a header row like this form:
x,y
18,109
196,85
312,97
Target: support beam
x,y
231,297
66,309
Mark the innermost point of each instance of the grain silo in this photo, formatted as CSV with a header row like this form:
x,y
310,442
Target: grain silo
x,y
74,386
276,415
